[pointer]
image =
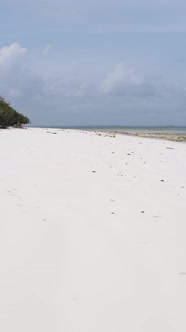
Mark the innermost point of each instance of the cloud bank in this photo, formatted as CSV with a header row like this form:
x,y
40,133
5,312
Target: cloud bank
x,y
120,94
94,62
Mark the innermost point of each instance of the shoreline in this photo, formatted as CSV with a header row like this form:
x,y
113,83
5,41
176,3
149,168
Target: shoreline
x,y
174,137
168,135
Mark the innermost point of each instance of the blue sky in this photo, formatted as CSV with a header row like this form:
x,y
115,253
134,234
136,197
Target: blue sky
x,y
95,62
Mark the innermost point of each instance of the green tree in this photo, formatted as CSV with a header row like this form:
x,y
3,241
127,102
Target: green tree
x,y
9,116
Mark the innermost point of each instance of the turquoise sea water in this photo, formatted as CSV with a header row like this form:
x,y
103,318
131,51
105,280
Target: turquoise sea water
x,y
149,129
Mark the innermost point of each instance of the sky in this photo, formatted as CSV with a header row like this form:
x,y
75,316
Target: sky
x,y
94,62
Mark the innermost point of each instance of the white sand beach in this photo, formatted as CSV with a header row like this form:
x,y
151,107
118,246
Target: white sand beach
x,y
92,232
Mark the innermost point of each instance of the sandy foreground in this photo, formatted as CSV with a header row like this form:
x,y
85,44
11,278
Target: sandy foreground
x,y
92,232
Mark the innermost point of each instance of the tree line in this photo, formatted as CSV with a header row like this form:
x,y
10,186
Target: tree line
x,y
9,116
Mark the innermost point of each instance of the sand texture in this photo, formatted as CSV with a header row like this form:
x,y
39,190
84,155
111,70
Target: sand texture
x,y
92,232
169,136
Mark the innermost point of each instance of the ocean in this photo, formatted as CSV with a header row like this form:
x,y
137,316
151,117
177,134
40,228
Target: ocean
x,y
146,129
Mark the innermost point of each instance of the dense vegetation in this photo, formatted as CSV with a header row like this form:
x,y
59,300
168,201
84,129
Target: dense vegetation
x,y
10,117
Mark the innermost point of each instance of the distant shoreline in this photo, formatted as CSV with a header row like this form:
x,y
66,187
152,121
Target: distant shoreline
x,y
116,127
170,136
171,133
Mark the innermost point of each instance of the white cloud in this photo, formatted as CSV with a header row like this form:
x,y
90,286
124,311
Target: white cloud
x,y
121,76
47,49
10,53
74,97
17,81
124,81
